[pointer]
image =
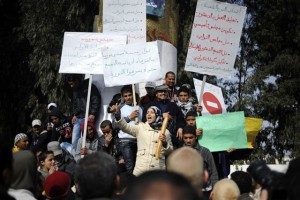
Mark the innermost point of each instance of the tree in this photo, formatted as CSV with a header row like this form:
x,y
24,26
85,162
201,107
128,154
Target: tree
x,y
274,33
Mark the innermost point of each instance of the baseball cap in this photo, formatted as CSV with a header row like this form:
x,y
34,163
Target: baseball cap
x,y
150,84
51,104
55,147
36,122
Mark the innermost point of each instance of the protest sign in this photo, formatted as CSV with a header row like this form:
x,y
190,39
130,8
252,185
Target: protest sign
x,y
212,100
132,63
81,52
215,38
253,126
125,17
223,131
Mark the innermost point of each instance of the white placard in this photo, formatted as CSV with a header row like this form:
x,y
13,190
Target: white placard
x,y
132,63
215,38
81,52
212,100
125,17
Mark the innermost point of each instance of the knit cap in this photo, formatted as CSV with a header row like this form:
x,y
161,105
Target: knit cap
x,y
57,185
19,137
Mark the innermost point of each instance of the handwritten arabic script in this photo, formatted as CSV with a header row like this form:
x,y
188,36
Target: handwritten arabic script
x,y
127,17
132,63
215,38
82,51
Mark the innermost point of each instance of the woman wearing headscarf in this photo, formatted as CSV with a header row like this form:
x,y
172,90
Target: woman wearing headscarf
x,y
148,134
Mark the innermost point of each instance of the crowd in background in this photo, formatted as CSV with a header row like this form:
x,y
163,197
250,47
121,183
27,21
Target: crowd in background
x,y
149,150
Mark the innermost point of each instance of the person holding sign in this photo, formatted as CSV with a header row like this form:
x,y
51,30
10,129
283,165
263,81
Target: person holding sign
x,y
148,135
79,101
190,140
127,142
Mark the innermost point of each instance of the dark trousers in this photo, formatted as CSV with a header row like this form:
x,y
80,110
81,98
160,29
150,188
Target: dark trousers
x,y
128,148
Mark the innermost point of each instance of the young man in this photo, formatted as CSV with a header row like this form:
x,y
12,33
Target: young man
x,y
184,101
79,101
40,137
191,140
190,120
21,142
91,144
150,96
170,82
108,142
127,143
62,130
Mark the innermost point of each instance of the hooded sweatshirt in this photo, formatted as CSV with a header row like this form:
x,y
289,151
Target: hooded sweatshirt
x,y
24,176
62,130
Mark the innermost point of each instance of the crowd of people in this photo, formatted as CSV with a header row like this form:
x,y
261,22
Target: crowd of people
x,y
148,150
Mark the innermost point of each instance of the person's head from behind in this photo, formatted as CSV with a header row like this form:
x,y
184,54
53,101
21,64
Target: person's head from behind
x,y
159,184
189,163
57,186
24,171
243,181
189,136
127,94
225,189
96,176
183,94
46,160
190,118
170,79
22,141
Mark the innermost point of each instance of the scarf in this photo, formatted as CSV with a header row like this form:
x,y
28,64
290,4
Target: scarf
x,y
158,121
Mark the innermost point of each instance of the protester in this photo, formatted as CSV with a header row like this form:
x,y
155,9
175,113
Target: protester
x,y
108,142
189,163
79,102
225,189
150,96
40,137
57,186
170,110
184,102
190,140
170,79
127,143
160,184
63,159
148,134
91,143
190,120
244,182
24,176
21,142
96,176
62,130
47,164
